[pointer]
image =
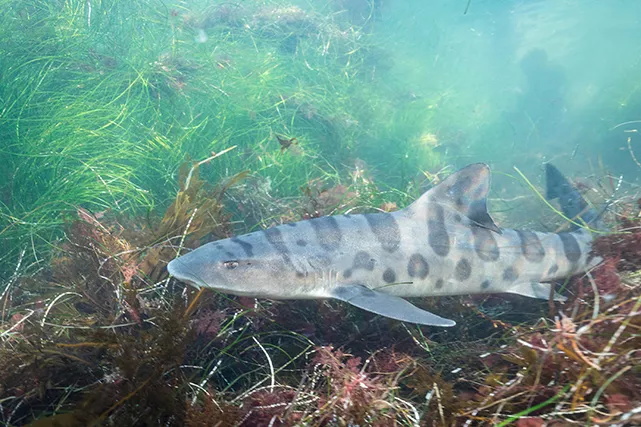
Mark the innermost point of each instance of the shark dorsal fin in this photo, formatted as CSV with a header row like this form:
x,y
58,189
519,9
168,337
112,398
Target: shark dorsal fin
x,y
465,191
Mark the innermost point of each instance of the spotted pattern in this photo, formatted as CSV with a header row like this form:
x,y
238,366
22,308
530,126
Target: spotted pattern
x,y
386,230
460,188
418,266
389,276
301,242
328,232
464,183
485,284
362,260
510,274
463,270
247,247
275,238
439,284
553,269
485,244
437,235
292,224
230,255
531,246
570,247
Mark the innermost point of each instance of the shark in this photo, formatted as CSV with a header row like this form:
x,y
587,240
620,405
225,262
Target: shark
x,y
444,243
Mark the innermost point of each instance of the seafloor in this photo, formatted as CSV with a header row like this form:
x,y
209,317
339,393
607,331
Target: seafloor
x,y
294,111
103,337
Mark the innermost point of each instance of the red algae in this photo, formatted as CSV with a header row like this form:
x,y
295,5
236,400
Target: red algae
x,y
109,339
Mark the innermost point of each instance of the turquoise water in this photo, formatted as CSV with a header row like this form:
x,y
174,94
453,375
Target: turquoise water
x,y
102,100
330,106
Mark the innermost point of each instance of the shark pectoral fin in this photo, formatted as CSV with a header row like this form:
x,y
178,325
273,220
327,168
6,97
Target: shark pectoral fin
x,y
387,305
534,290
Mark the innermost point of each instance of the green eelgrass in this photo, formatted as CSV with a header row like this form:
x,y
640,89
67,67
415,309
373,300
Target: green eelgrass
x,y
103,100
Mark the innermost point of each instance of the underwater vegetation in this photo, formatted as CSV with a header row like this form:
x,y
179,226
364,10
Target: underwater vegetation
x,y
102,336
289,109
102,100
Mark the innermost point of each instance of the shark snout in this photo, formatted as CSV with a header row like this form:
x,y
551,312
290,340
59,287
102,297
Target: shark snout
x,y
181,269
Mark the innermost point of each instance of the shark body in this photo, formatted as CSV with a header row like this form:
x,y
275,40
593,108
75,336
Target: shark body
x,y
445,243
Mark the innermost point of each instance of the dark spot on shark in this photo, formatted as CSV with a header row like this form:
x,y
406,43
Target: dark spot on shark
x,y
301,242
275,238
457,218
300,274
389,276
230,255
570,246
219,246
553,269
436,233
460,202
363,261
439,284
531,246
418,266
485,244
485,284
463,270
510,274
328,232
463,184
247,247
386,230
461,189
291,224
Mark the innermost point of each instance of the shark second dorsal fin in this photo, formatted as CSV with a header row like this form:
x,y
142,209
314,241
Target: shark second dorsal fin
x,y
464,191
387,305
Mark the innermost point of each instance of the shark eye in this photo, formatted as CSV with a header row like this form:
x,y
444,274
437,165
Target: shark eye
x,y
230,265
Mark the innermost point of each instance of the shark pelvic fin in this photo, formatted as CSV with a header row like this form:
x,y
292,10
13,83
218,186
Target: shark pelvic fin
x,y
464,191
534,290
387,305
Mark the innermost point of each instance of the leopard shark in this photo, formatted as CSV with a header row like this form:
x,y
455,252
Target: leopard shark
x,y
444,243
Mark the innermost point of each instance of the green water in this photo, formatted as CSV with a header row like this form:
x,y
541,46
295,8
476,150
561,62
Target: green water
x,y
102,100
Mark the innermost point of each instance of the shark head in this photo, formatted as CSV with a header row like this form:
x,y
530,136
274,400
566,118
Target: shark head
x,y
246,267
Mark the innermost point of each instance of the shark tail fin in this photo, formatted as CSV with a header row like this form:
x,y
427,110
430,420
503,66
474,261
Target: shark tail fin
x,y
572,202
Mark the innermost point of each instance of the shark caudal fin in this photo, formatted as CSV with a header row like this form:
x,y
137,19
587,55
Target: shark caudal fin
x,y
572,203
